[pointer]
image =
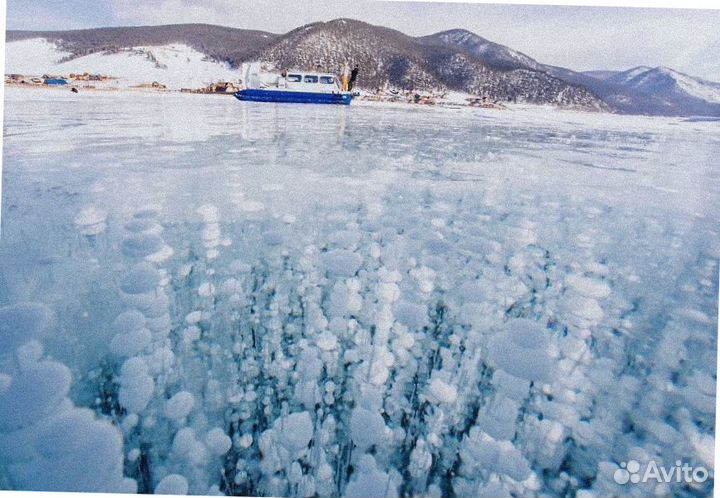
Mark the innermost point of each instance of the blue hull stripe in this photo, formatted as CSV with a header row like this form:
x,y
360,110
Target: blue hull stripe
x,y
294,97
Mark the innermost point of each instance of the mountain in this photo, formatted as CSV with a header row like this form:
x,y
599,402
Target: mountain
x,y
669,84
217,42
623,99
640,90
175,65
600,74
658,90
456,60
389,56
501,57
386,57
495,55
622,77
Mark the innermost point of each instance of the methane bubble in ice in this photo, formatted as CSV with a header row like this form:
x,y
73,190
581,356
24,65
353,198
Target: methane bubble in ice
x,y
91,221
179,406
140,279
34,392
218,442
140,245
136,385
140,225
521,350
20,323
172,484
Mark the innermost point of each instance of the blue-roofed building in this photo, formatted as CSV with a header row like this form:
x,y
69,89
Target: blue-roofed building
x,y
56,82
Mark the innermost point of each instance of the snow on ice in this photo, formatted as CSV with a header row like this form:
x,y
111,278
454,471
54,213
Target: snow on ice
x,y
435,302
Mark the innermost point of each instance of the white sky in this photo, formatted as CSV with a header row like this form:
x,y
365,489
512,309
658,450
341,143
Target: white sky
x,y
580,38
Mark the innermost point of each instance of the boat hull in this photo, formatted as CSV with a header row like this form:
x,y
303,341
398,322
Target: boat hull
x,y
256,95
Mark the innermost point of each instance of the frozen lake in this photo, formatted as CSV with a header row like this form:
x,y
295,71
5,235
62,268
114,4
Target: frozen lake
x,y
286,300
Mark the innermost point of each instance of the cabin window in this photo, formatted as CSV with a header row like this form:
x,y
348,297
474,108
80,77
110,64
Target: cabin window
x,y
294,78
309,78
327,80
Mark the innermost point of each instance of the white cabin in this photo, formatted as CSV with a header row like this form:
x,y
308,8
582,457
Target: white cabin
x,y
294,81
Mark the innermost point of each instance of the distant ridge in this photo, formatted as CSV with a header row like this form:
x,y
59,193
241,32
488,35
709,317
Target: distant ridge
x,y
389,56
217,42
450,60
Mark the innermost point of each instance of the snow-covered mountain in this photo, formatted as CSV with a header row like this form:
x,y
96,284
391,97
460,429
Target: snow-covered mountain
x,y
390,57
640,90
174,65
669,83
217,42
623,77
194,55
655,90
387,57
493,54
600,74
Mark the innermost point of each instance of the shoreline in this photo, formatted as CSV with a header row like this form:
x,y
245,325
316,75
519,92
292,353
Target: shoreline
x,y
366,100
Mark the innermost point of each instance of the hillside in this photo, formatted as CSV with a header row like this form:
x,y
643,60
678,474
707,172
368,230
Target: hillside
x,y
217,42
618,89
456,60
386,57
175,66
658,90
493,54
389,56
669,83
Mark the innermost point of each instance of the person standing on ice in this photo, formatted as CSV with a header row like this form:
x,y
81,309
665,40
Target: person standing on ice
x,y
353,76
345,77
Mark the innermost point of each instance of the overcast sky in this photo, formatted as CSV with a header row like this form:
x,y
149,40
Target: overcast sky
x,y
580,38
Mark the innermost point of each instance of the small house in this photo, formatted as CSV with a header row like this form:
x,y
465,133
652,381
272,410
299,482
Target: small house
x,y
56,82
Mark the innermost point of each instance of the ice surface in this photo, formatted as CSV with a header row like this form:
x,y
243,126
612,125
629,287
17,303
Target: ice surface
x,y
436,302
